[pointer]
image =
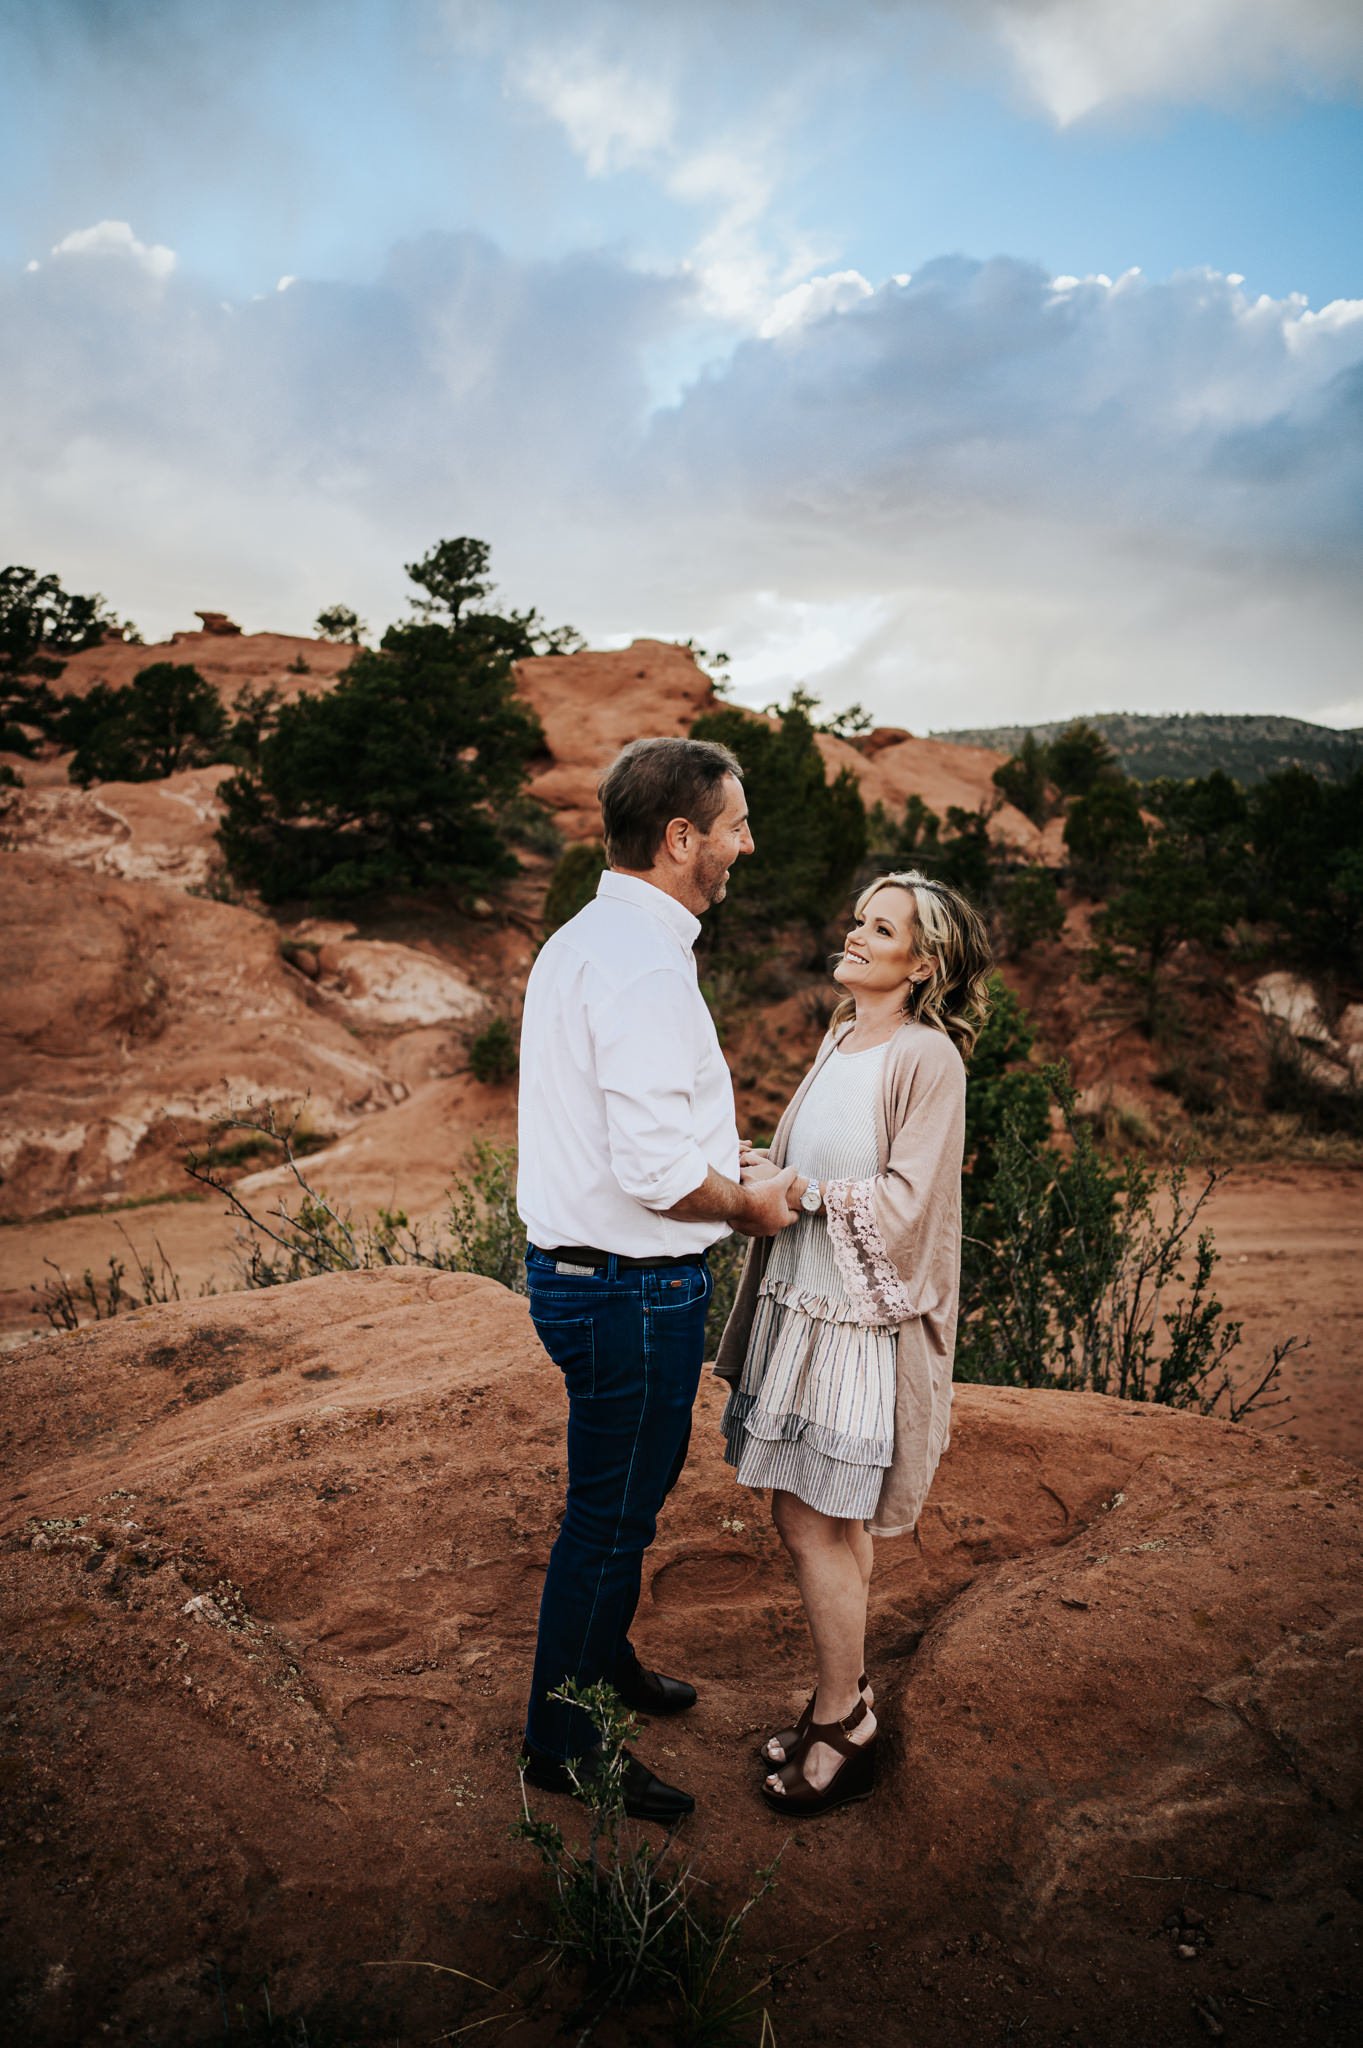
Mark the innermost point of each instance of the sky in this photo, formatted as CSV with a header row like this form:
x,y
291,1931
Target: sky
x,y
977,361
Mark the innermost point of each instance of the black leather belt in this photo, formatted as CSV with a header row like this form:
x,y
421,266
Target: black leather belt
x,y
588,1255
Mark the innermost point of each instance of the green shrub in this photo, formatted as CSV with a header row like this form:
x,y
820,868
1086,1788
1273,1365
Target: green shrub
x,y
40,624
1307,839
395,778
530,825
1079,758
638,1930
1070,1287
1022,780
1296,1087
294,1240
492,1053
573,884
254,714
339,622
1032,910
67,1304
1103,831
1003,1093
1168,898
169,717
486,1234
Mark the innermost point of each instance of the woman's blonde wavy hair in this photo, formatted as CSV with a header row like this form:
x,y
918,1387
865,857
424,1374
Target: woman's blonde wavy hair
x,y
954,995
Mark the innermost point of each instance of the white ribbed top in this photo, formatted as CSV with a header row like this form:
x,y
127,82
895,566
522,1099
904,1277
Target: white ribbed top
x,y
833,1137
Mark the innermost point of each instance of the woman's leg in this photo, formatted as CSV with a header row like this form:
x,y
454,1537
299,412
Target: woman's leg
x,y
832,1560
859,1542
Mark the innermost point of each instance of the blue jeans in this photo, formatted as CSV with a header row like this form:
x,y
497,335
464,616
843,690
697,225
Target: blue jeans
x,y
630,1346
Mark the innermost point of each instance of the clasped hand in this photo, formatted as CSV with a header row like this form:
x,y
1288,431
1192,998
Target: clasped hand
x,y
755,1166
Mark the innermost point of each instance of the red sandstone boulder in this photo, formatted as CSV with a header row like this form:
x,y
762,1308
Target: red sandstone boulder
x,y
591,704
133,1016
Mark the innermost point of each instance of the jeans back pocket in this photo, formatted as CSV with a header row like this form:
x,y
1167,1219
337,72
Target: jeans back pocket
x,y
571,1343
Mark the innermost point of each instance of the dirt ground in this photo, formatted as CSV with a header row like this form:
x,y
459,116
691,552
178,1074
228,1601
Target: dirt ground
x,y
1291,1245
269,1566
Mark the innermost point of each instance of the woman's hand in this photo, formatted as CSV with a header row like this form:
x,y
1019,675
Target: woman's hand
x,y
756,1167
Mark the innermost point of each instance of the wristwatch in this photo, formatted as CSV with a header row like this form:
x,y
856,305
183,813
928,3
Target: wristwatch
x,y
811,1201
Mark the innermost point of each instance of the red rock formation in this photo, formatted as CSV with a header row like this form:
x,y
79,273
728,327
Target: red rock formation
x,y
230,662
268,1580
591,704
138,831
133,1016
218,624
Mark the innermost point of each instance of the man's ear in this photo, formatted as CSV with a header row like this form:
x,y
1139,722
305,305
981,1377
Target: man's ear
x,y
677,838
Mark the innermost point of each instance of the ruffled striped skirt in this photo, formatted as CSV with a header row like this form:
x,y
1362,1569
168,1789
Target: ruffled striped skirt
x,y
813,1411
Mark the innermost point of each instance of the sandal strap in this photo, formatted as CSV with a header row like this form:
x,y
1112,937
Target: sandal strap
x,y
837,1735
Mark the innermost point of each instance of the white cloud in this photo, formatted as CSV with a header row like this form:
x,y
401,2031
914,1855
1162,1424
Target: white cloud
x,y
614,118
1079,56
979,493
1073,58
115,238
815,298
657,113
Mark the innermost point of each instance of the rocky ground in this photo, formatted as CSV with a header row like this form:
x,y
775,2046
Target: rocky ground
x,y
268,1573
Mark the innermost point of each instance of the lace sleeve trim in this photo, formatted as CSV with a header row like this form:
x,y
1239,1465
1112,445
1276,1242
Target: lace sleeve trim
x,y
873,1286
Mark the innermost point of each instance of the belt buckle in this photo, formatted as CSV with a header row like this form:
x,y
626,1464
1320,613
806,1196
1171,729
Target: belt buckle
x,y
566,1266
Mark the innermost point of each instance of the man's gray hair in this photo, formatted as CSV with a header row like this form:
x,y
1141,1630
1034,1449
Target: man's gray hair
x,y
651,782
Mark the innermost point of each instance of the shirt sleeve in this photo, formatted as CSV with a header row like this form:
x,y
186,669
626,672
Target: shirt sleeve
x,y
646,1061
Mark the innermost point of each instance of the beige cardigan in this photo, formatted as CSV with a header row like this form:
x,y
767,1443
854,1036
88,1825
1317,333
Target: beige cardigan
x,y
897,1241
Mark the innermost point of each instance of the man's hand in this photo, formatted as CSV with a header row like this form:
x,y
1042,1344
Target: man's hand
x,y
767,1207
753,1171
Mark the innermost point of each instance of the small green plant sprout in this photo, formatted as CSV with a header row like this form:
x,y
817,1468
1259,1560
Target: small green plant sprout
x,y
492,1053
67,1304
628,1916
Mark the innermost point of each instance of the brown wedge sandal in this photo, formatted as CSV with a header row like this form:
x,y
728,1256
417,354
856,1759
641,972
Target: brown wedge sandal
x,y
789,1738
854,1778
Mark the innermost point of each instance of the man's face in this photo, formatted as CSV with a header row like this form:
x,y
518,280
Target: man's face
x,y
714,852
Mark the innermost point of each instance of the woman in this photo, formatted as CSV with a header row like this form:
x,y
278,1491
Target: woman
x,y
838,1351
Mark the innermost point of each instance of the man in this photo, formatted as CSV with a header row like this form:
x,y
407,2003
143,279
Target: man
x,y
628,1173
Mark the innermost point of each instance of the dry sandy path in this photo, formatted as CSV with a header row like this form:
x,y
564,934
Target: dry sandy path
x,y
1290,1238
1291,1245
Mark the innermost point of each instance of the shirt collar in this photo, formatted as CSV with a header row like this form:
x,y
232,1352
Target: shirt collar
x,y
632,889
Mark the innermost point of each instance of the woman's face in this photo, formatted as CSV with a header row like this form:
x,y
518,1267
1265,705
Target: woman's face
x,y
881,950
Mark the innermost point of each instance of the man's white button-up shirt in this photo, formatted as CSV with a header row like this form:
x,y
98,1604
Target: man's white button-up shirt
x,y
625,1100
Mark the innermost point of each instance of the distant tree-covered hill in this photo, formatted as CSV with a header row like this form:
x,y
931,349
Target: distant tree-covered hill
x,y
1245,745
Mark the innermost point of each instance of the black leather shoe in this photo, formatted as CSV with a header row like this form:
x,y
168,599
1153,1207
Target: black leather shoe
x,y
648,1692
646,1797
